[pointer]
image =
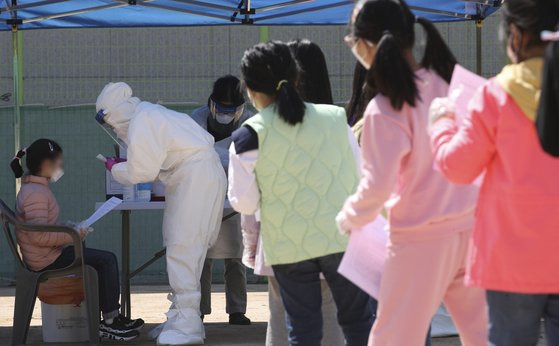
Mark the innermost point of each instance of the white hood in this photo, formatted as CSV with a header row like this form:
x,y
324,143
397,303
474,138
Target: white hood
x,y
119,106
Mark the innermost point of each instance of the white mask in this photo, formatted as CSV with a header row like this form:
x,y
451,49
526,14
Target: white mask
x,y
224,119
57,175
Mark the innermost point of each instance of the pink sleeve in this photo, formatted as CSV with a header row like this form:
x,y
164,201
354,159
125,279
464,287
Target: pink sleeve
x,y
385,142
36,208
463,153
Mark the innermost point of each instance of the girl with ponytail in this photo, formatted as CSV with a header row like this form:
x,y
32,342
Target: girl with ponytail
x,y
43,157
430,219
514,250
41,251
297,162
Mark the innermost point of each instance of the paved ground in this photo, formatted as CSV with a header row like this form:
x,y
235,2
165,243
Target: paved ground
x,y
149,303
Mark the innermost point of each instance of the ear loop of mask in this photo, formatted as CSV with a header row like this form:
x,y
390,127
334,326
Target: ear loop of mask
x,y
516,50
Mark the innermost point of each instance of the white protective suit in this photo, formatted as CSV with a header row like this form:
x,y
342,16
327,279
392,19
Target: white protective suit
x,y
170,146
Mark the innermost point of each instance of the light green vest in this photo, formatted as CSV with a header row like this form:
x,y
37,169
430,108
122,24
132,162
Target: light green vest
x,y
305,173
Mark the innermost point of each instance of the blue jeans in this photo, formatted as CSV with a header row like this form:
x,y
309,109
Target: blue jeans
x,y
515,318
106,265
300,292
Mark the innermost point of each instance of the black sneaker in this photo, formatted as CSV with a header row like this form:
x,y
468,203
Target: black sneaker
x,y
136,324
239,319
117,336
118,330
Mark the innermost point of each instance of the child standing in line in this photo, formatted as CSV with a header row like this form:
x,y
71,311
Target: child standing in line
x,y
295,161
430,219
514,252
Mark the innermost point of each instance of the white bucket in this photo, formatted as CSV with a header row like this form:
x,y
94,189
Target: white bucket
x,y
64,323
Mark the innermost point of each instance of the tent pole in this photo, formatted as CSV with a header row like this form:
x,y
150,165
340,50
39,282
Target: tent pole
x,y
479,25
264,33
17,44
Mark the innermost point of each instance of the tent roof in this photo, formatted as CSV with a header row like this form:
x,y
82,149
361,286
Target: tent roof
x,y
50,14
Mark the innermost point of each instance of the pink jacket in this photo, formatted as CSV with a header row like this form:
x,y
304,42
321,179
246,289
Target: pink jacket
x,y
36,204
516,235
398,171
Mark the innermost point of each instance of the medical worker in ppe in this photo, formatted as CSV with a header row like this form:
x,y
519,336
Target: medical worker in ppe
x,y
170,146
224,113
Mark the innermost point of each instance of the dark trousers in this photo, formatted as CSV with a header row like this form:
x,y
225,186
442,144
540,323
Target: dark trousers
x,y
235,286
300,292
515,318
106,265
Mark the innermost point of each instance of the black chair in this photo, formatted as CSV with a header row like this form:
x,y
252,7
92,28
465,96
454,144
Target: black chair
x,y
27,281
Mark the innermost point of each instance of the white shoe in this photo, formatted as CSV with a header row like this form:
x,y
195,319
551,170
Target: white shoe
x,y
173,337
154,333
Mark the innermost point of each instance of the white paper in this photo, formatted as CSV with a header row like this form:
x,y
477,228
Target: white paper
x,y
463,87
363,261
109,205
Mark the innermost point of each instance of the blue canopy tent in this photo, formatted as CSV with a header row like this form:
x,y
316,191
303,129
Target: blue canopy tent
x,y
48,14
52,14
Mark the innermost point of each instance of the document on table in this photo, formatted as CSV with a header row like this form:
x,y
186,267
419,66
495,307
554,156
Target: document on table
x,y
463,87
109,205
363,261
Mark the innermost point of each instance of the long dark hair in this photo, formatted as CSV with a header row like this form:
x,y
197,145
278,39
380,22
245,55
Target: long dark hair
x,y
39,151
531,17
390,25
361,94
269,68
313,82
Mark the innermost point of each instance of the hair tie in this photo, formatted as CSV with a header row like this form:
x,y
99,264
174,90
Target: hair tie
x,y
50,147
20,154
548,36
280,83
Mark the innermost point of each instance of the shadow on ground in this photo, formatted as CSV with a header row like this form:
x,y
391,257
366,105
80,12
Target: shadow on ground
x,y
217,334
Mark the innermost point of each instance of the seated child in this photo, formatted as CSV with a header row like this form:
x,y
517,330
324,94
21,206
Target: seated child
x,y
42,251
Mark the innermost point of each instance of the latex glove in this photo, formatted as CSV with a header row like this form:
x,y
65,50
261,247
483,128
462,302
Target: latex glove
x,y
441,107
340,222
111,161
250,230
249,256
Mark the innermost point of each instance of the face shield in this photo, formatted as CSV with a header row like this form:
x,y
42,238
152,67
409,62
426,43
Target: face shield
x,y
100,118
225,114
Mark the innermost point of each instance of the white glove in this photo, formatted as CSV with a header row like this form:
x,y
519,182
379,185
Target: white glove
x,y
340,220
441,107
250,230
249,256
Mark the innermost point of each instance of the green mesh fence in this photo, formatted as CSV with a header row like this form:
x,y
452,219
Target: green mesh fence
x,y
169,65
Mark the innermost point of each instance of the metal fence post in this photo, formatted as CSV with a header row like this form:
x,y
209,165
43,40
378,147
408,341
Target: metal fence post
x,y
479,25
264,34
17,45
